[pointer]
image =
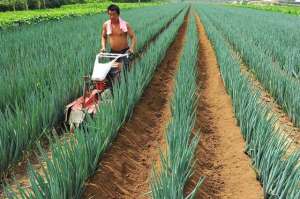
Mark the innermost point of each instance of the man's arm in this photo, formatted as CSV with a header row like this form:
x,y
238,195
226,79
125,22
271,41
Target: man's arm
x,y
103,38
132,38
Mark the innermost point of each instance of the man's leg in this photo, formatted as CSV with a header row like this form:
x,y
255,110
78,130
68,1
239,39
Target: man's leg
x,y
113,76
115,73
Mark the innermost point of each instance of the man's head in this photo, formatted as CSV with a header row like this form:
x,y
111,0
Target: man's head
x,y
113,11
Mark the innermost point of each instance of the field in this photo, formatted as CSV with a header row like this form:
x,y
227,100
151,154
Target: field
x,y
8,19
293,10
210,107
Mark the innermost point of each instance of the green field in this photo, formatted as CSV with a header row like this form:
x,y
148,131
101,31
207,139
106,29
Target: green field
x,y
294,10
39,112
15,18
172,128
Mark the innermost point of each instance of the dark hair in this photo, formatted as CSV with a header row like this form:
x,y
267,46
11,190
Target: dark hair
x,y
113,7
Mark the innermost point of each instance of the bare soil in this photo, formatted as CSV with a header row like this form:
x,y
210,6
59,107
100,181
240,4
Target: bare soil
x,y
126,167
220,156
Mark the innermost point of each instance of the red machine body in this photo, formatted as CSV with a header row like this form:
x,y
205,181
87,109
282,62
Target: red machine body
x,y
93,89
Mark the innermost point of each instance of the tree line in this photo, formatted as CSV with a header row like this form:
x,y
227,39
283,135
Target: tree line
x,y
13,5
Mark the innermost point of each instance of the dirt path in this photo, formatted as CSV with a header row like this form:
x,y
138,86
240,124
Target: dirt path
x,y
220,153
126,167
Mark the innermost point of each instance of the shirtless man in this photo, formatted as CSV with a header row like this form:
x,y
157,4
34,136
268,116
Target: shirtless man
x,y
117,31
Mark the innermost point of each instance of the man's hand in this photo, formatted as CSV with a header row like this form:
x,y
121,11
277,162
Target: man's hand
x,y
132,37
130,54
102,50
130,51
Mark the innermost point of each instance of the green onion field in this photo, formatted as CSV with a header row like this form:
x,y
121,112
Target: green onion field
x,y
208,108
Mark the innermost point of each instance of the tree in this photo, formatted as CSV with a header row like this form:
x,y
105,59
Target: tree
x,y
52,3
34,4
21,5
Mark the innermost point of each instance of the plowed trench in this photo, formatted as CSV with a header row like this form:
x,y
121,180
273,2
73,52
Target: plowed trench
x,y
220,156
126,167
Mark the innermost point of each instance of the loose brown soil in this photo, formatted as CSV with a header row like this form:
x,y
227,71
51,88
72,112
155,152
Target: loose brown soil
x,y
220,156
126,167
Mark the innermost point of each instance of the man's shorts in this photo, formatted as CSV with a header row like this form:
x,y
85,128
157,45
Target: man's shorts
x,y
115,72
122,59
